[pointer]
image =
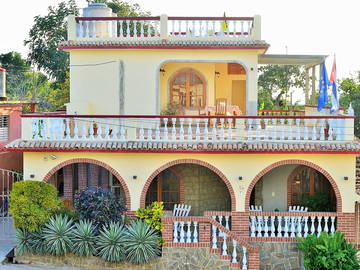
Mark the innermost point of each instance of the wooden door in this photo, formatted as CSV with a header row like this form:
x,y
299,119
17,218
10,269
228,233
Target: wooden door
x,y
238,94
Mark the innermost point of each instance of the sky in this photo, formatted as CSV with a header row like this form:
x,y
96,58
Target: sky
x,y
325,27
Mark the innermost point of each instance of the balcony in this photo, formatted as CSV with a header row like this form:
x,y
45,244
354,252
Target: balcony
x,y
164,28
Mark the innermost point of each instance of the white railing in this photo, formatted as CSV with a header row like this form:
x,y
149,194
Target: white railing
x,y
7,180
185,232
291,224
187,129
163,27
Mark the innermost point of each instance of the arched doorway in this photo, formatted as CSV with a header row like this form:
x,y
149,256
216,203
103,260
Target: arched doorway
x,y
191,184
294,185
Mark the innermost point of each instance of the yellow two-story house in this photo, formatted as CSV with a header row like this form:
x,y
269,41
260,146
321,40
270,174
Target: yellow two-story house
x,y
165,109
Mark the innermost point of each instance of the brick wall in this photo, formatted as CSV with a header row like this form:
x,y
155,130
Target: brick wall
x,y
68,182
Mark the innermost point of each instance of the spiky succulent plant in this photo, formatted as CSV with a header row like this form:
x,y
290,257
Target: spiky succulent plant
x,y
23,239
58,235
110,242
141,243
84,239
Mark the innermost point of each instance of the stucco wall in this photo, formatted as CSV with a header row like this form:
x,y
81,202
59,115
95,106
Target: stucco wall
x,y
95,85
231,165
274,189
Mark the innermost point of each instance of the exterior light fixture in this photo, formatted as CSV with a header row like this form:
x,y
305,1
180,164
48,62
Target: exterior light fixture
x,y
53,157
162,71
346,178
240,178
45,158
134,177
217,74
32,176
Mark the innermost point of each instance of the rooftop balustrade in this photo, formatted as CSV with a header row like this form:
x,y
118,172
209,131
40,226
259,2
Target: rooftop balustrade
x,y
164,27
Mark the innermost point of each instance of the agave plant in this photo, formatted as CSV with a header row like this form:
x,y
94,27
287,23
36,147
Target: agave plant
x,y
58,235
141,243
37,242
84,239
110,242
23,242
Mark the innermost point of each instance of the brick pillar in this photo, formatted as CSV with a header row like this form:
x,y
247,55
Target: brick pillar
x,y
68,182
104,178
346,224
254,260
240,223
94,175
82,176
204,232
167,231
357,225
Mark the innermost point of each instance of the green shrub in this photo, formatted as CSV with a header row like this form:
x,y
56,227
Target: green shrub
x,y
98,205
67,212
328,252
84,239
32,203
58,235
37,242
319,203
110,241
152,214
141,243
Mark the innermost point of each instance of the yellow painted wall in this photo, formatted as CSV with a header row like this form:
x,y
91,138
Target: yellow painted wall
x,y
232,165
95,83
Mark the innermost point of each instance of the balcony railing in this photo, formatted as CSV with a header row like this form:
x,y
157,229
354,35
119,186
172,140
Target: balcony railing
x,y
187,128
163,27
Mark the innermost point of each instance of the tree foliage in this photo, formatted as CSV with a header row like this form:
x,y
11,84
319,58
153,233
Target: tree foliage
x,y
275,82
350,92
44,37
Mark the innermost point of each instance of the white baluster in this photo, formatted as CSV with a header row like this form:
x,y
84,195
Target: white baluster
x,y
76,130
227,223
182,232
274,125
52,129
306,228
122,130
182,132
142,28
244,258
266,131
206,130
312,228
314,135
187,28
319,228
249,29
67,129
286,227
99,131
326,227
121,24
195,234
115,129
157,129
282,129
331,132
272,226
188,232
224,245
142,131
222,132
266,228
332,227
135,29
91,130
252,226
242,29
114,29
166,133
214,138
175,238
173,129
230,121
234,253
214,238
298,132
221,233
306,129
322,129
259,228
299,228
290,129
292,227
197,131
206,28
149,133
127,28
93,31
107,130
258,128
189,137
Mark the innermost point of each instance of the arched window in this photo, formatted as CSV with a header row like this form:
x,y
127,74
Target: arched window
x,y
305,182
188,89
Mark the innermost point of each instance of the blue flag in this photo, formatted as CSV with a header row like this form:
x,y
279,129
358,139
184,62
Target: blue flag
x,y
324,82
334,94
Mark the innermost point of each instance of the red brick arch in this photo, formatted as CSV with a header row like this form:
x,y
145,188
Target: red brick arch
x,y
189,161
96,162
296,162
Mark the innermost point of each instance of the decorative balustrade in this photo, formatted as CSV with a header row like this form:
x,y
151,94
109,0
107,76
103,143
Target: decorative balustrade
x,y
187,128
205,230
281,112
222,217
163,27
291,224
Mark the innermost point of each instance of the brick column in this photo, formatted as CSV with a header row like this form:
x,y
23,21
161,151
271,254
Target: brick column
x,y
82,176
204,232
254,260
357,225
240,223
104,177
346,224
94,175
167,231
68,182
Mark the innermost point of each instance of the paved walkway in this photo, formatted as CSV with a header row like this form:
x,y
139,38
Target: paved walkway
x,y
7,237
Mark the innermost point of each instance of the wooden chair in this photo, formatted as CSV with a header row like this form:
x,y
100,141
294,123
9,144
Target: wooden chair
x,y
221,105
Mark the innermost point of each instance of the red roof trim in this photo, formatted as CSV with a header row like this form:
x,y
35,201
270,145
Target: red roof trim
x,y
179,152
163,47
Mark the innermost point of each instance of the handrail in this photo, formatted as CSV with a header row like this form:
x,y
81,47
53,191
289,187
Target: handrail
x,y
297,214
116,18
212,18
189,116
